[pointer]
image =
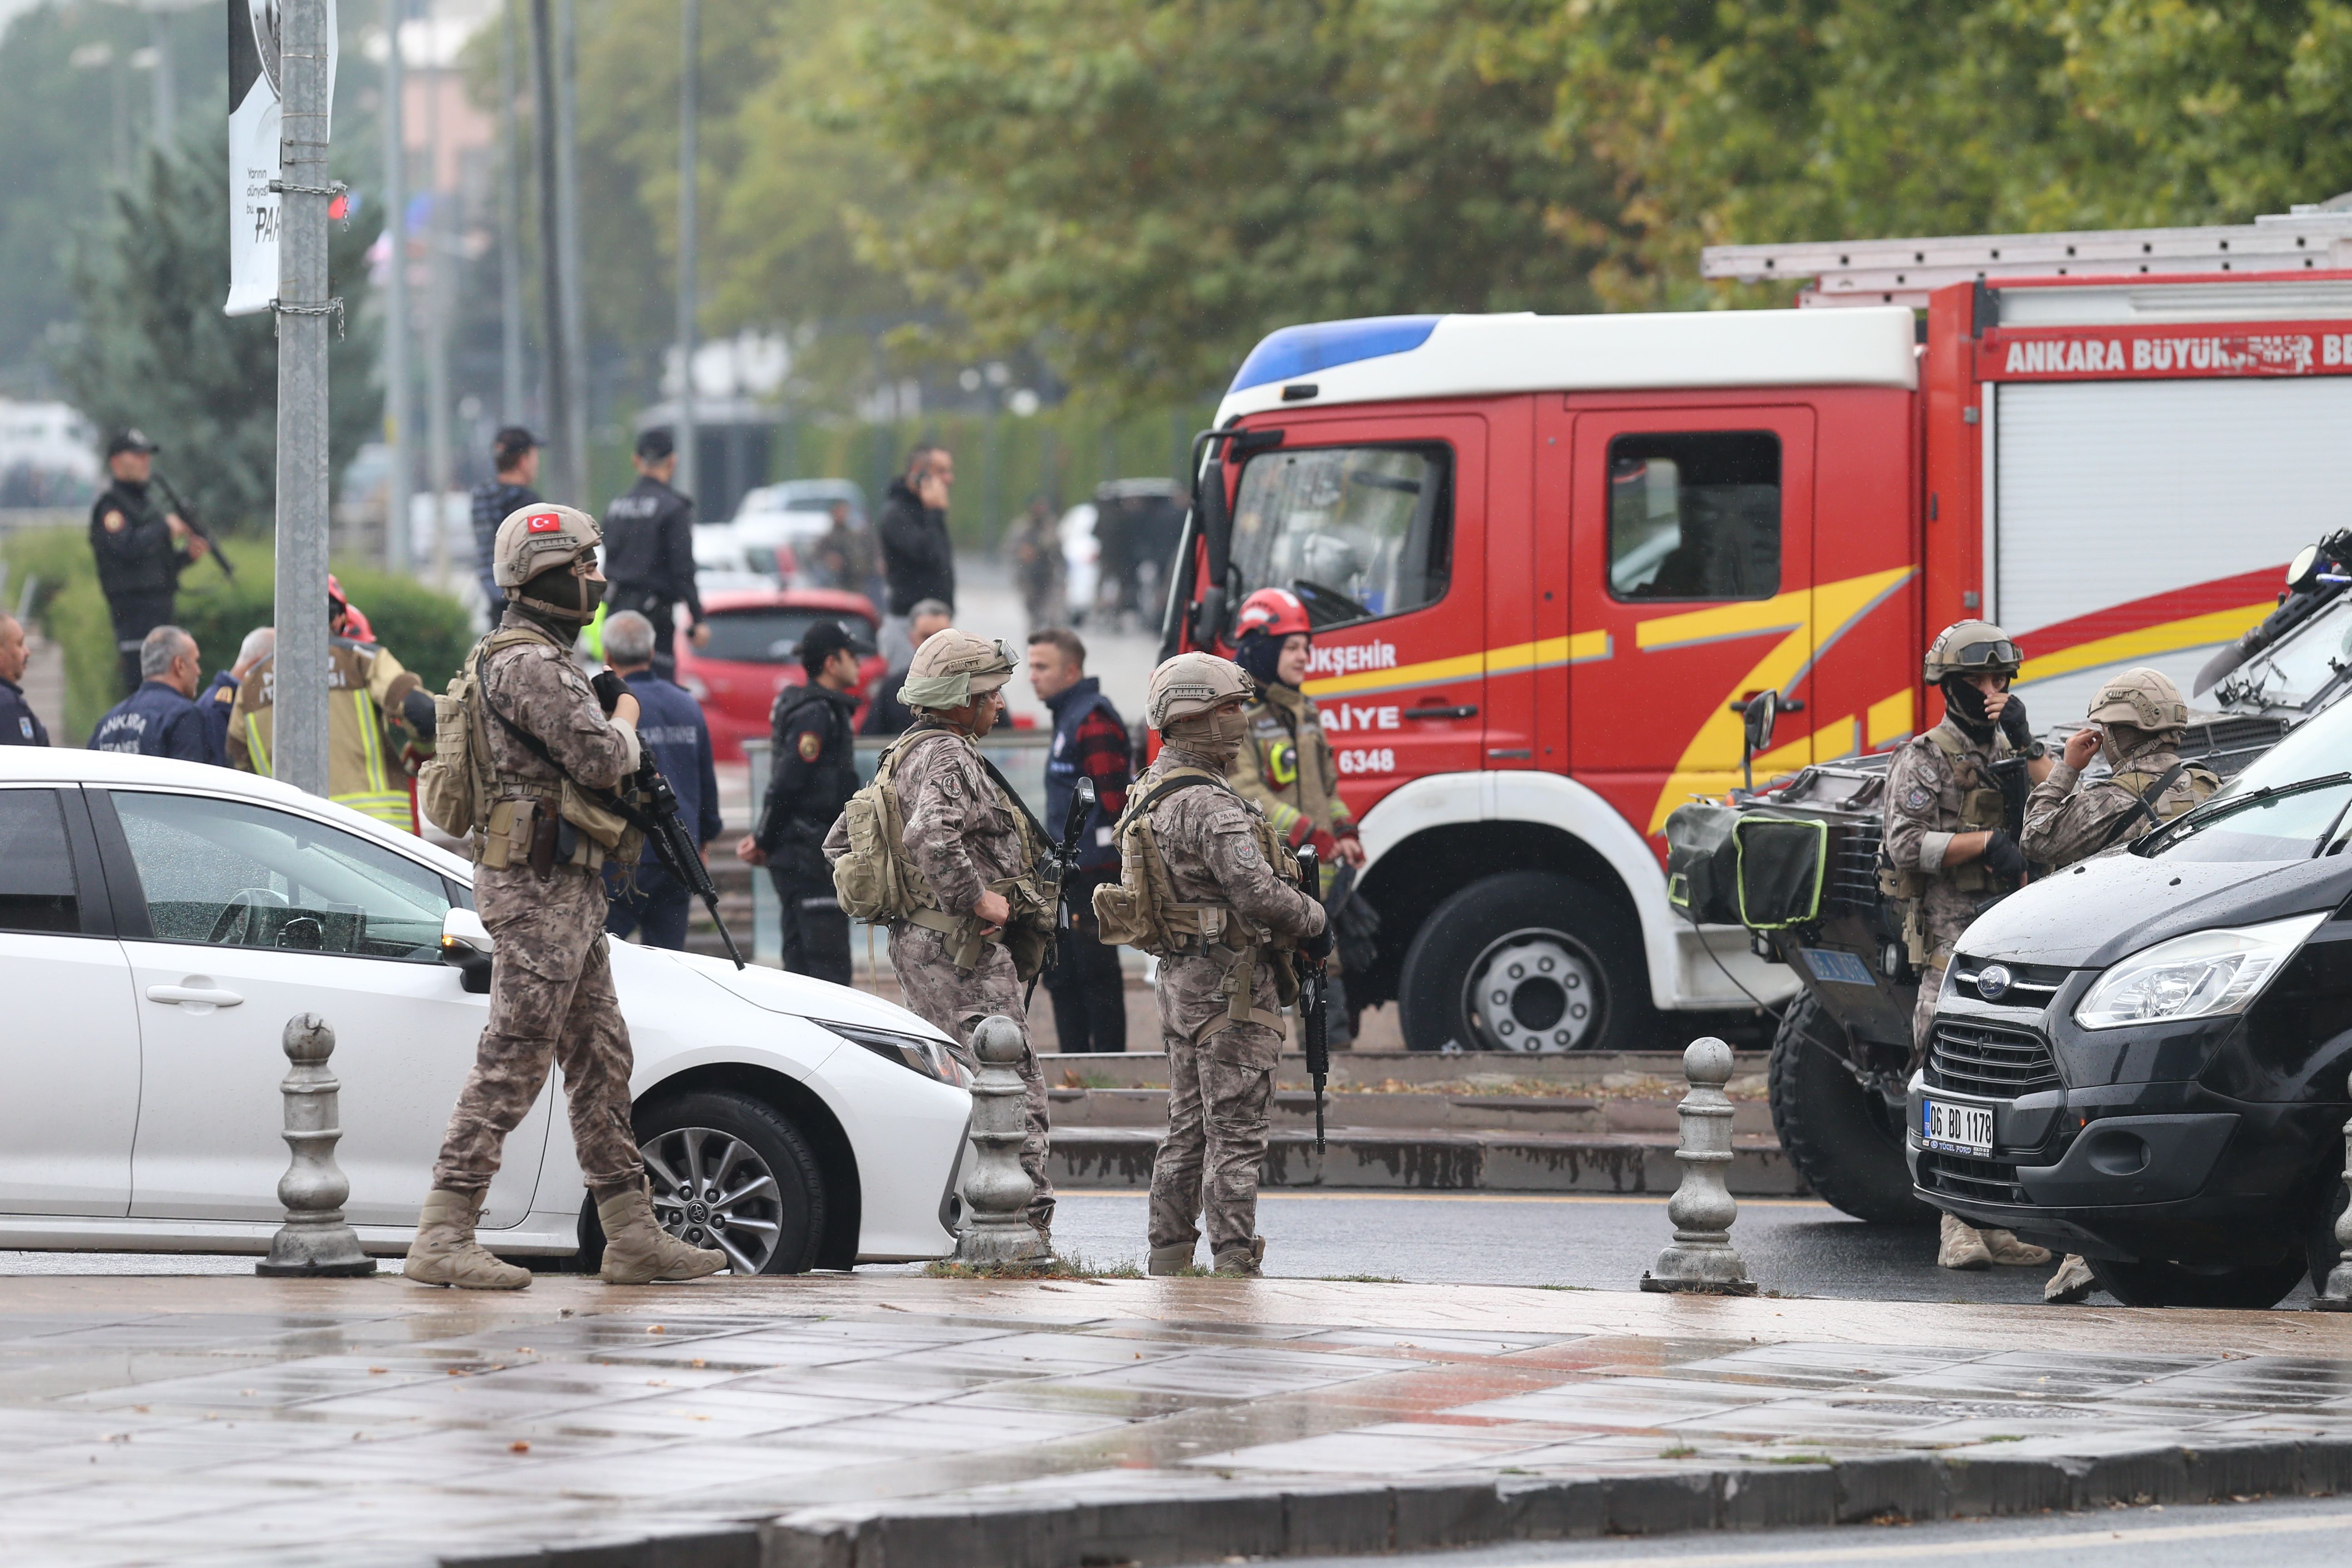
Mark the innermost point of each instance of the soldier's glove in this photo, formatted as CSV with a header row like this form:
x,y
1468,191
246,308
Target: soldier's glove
x,y
2016,726
1319,946
609,688
2004,858
417,710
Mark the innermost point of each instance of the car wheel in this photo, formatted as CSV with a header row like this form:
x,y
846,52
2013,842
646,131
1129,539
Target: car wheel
x,y
2155,1282
732,1173
1841,1137
1527,962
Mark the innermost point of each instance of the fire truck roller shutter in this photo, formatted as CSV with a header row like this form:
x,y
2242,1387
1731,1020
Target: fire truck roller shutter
x,y
2124,509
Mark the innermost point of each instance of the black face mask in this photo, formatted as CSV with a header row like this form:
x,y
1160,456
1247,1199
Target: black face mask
x,y
1965,705
572,596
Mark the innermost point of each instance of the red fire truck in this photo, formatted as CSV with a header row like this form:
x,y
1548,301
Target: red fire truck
x,y
1547,556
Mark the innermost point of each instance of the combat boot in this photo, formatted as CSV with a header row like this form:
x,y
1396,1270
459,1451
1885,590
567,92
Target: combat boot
x,y
2074,1282
1243,1261
1169,1259
638,1251
445,1253
1962,1247
2005,1248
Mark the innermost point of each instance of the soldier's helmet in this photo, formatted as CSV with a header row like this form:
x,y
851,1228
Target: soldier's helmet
x,y
535,538
953,666
1192,683
1971,648
2145,699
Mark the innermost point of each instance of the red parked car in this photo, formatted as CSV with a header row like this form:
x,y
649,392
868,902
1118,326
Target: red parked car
x,y
755,635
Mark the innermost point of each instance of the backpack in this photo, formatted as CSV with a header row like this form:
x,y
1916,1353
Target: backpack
x,y
451,788
872,878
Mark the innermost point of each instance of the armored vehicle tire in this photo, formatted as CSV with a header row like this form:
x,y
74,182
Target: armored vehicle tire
x,y
727,1172
1849,1151
2153,1282
1526,960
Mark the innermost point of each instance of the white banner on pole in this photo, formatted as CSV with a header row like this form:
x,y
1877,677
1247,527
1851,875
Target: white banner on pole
x,y
253,150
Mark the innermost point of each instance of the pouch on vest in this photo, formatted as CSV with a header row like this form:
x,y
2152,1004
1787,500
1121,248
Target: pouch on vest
x,y
445,784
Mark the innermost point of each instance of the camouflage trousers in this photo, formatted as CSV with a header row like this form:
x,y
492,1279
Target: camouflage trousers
x,y
1220,1091
954,1004
1922,1014
551,999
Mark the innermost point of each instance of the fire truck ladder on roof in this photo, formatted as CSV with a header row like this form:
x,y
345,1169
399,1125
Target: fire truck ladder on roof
x,y
1903,271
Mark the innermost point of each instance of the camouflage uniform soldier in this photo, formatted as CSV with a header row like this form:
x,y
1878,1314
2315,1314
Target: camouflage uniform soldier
x,y
2135,721
1225,888
971,844
532,723
1949,851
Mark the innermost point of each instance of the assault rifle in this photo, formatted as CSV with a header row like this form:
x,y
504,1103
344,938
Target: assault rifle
x,y
1314,995
1063,858
187,514
673,845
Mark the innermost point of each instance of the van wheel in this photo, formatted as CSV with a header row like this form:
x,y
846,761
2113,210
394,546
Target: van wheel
x,y
1841,1137
731,1172
1527,962
2155,1282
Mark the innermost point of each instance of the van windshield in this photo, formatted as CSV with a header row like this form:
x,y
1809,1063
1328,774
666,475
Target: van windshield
x,y
2297,822
2318,746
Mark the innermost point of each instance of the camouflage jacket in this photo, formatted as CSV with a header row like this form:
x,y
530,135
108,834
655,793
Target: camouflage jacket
x,y
962,833
1941,785
1211,847
538,688
2067,820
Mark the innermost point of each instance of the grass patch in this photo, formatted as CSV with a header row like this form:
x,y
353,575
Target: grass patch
x,y
1800,1459
1565,1287
2001,1437
1360,1279
1065,1266
1679,1451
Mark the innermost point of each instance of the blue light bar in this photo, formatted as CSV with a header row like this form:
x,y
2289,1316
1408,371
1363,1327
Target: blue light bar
x,y
1294,351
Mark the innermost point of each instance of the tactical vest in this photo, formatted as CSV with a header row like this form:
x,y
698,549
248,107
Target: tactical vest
x,y
462,793
1982,810
1141,908
875,880
2148,787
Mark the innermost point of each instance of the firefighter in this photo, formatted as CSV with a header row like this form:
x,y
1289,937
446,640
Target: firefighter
x,y
1949,853
2137,722
1286,764
367,688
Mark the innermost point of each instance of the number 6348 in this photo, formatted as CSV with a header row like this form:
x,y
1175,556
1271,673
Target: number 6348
x,y
1379,760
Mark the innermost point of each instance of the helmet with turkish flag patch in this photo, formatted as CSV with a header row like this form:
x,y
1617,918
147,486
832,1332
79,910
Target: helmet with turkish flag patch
x,y
535,538
1277,612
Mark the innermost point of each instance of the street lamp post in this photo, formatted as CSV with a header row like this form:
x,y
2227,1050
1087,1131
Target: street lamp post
x,y
302,310
688,159
396,402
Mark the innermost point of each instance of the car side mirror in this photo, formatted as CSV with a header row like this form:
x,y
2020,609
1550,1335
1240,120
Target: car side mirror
x,y
466,947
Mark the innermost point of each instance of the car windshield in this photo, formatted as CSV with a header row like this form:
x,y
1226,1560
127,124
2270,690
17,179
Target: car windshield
x,y
2295,670
2318,746
772,633
2297,822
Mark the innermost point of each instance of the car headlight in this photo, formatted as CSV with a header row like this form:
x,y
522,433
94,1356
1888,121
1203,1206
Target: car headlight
x,y
2201,975
913,1052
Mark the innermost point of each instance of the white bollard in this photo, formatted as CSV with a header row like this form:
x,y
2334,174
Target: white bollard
x,y
996,1230
2336,1296
315,1239
1701,1257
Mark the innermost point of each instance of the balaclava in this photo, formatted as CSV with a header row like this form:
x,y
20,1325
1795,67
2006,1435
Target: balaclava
x,y
1965,705
1258,653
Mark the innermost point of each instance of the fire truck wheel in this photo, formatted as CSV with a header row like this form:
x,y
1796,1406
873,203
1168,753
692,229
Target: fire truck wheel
x,y
1526,961
1849,1151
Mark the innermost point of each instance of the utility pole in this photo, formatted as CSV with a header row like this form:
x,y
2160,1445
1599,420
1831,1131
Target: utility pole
x,y
510,410
689,167
302,310
438,238
567,171
399,473
556,354
165,102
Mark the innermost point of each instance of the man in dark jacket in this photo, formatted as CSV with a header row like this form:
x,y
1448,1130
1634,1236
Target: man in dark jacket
x,y
161,719
671,726
19,725
1089,743
142,546
815,773
649,547
219,701
918,561
515,451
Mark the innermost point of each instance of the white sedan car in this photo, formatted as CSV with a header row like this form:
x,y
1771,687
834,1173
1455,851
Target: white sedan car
x,y
161,921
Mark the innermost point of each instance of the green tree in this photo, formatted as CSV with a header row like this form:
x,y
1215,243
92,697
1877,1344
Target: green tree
x,y
153,349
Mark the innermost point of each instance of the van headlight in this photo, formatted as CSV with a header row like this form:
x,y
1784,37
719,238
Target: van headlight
x,y
926,1056
2201,975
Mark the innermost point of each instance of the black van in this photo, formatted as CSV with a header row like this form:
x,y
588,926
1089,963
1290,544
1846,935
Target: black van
x,y
2142,1058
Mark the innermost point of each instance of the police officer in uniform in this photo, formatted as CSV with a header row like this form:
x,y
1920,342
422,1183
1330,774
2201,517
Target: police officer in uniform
x,y
972,848
161,719
19,725
1287,765
141,548
814,773
2136,723
1228,868
1949,852
671,726
536,721
649,548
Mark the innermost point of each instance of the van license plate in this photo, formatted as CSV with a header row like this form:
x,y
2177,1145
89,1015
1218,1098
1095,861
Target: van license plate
x,y
1964,1129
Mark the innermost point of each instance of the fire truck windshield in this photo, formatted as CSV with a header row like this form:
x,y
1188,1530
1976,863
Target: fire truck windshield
x,y
1357,532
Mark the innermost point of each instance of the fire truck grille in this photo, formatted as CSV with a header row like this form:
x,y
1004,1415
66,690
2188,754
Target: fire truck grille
x,y
1986,1180
1989,1059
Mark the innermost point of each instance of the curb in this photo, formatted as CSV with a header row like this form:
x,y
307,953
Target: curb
x,y
1188,1526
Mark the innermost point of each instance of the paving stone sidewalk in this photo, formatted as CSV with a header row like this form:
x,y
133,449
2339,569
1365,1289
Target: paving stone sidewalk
x,y
897,1422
